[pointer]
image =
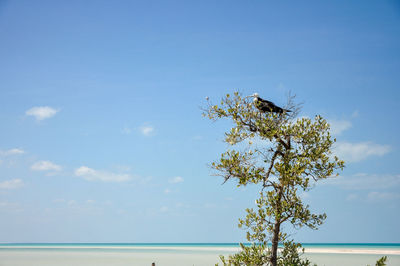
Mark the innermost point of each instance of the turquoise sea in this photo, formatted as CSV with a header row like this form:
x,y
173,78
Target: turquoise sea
x,y
176,254
327,245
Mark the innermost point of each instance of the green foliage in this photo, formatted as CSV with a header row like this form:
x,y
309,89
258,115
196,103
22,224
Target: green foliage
x,y
381,261
259,255
289,156
256,255
290,255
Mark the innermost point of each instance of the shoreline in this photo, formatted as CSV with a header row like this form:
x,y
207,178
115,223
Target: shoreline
x,y
310,250
351,251
178,256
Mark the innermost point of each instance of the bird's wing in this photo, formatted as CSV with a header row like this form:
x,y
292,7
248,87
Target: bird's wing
x,y
266,102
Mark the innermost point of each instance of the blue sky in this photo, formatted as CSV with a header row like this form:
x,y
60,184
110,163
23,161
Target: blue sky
x,y
102,137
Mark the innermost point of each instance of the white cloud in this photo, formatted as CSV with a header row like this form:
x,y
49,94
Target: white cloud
x,y
59,201
210,205
122,211
355,114
126,130
365,181
87,207
382,196
352,197
176,180
11,184
41,112
14,151
164,209
198,138
5,204
167,191
90,174
180,205
10,206
338,126
71,203
147,130
355,152
122,168
45,166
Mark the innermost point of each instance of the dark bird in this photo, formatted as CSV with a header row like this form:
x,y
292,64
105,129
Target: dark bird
x,y
267,106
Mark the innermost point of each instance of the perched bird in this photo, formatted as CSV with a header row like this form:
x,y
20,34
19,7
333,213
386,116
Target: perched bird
x,y
267,106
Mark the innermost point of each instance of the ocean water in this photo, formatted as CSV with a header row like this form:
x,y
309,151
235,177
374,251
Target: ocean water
x,y
178,254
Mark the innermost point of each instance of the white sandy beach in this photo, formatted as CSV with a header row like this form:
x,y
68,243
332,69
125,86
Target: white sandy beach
x,y
224,250
171,256
62,258
353,251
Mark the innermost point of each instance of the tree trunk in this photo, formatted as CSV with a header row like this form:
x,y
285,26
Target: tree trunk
x,y
277,227
275,242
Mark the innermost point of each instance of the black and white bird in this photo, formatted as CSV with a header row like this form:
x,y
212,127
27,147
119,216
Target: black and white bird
x,y
267,106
